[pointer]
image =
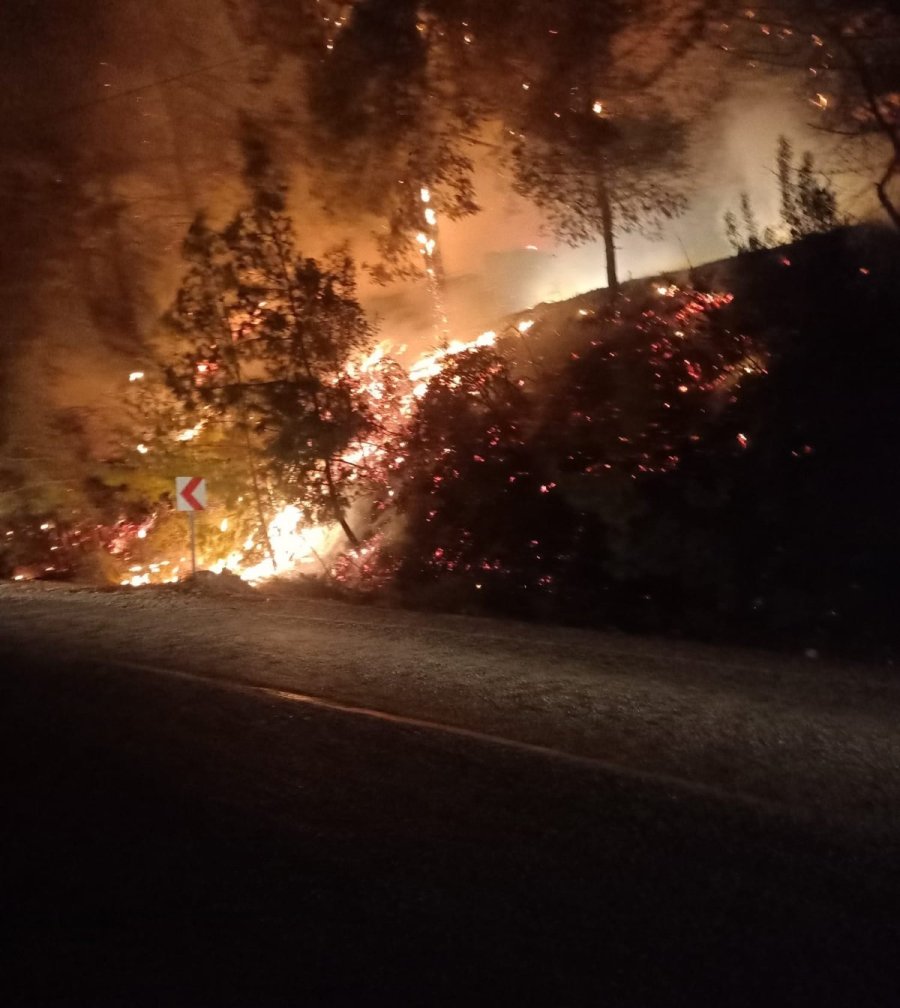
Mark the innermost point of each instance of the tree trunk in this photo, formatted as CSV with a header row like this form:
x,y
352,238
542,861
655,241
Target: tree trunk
x,y
881,187
607,223
338,511
336,508
251,457
260,508
884,122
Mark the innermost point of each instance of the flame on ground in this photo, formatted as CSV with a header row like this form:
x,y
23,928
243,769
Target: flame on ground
x,y
294,545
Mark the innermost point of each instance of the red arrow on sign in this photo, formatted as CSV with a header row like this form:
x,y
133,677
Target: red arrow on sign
x,y
187,493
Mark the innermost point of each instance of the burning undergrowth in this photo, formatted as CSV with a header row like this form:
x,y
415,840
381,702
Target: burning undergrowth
x,y
522,473
681,459
324,456
479,464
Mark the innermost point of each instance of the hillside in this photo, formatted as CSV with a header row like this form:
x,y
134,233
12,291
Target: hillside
x,y
563,326
735,481
711,457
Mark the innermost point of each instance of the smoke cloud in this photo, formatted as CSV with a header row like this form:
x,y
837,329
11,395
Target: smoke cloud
x,y
125,125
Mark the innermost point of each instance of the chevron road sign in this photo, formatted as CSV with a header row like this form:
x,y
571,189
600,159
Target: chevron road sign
x,y
190,493
190,496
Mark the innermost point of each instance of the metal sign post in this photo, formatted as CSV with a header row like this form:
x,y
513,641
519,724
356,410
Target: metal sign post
x,y
193,542
190,496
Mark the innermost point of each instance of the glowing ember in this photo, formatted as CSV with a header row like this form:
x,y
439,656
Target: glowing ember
x,y
391,397
191,432
431,364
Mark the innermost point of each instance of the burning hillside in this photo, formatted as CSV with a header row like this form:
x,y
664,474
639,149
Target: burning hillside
x,y
589,459
676,358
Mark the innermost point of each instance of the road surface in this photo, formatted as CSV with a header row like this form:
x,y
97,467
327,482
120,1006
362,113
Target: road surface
x,y
173,839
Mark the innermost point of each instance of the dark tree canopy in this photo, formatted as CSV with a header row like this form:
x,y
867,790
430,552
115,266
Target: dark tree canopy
x,y
398,96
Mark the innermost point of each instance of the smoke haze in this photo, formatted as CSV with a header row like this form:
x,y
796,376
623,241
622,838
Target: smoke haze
x,y
102,173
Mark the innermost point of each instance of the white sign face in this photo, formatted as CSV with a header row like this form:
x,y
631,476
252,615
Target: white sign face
x,y
190,493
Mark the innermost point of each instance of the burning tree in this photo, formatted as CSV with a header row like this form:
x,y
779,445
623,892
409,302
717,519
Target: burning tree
x,y
476,505
265,338
518,492
161,437
400,96
391,117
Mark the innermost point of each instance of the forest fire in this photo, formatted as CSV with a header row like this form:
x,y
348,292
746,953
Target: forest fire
x,y
375,375
294,544
667,332
559,392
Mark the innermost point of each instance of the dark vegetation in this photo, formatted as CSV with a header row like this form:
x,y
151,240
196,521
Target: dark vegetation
x,y
774,520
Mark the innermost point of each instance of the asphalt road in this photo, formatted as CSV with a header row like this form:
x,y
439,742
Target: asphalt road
x,y
174,842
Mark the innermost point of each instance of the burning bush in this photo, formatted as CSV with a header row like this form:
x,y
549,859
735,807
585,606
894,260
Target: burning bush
x,y
479,508
521,493
654,374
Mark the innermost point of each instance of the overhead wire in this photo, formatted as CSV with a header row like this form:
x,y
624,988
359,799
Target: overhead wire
x,y
127,93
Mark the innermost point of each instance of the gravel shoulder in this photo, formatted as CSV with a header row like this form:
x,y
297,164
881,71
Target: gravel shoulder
x,y
819,739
